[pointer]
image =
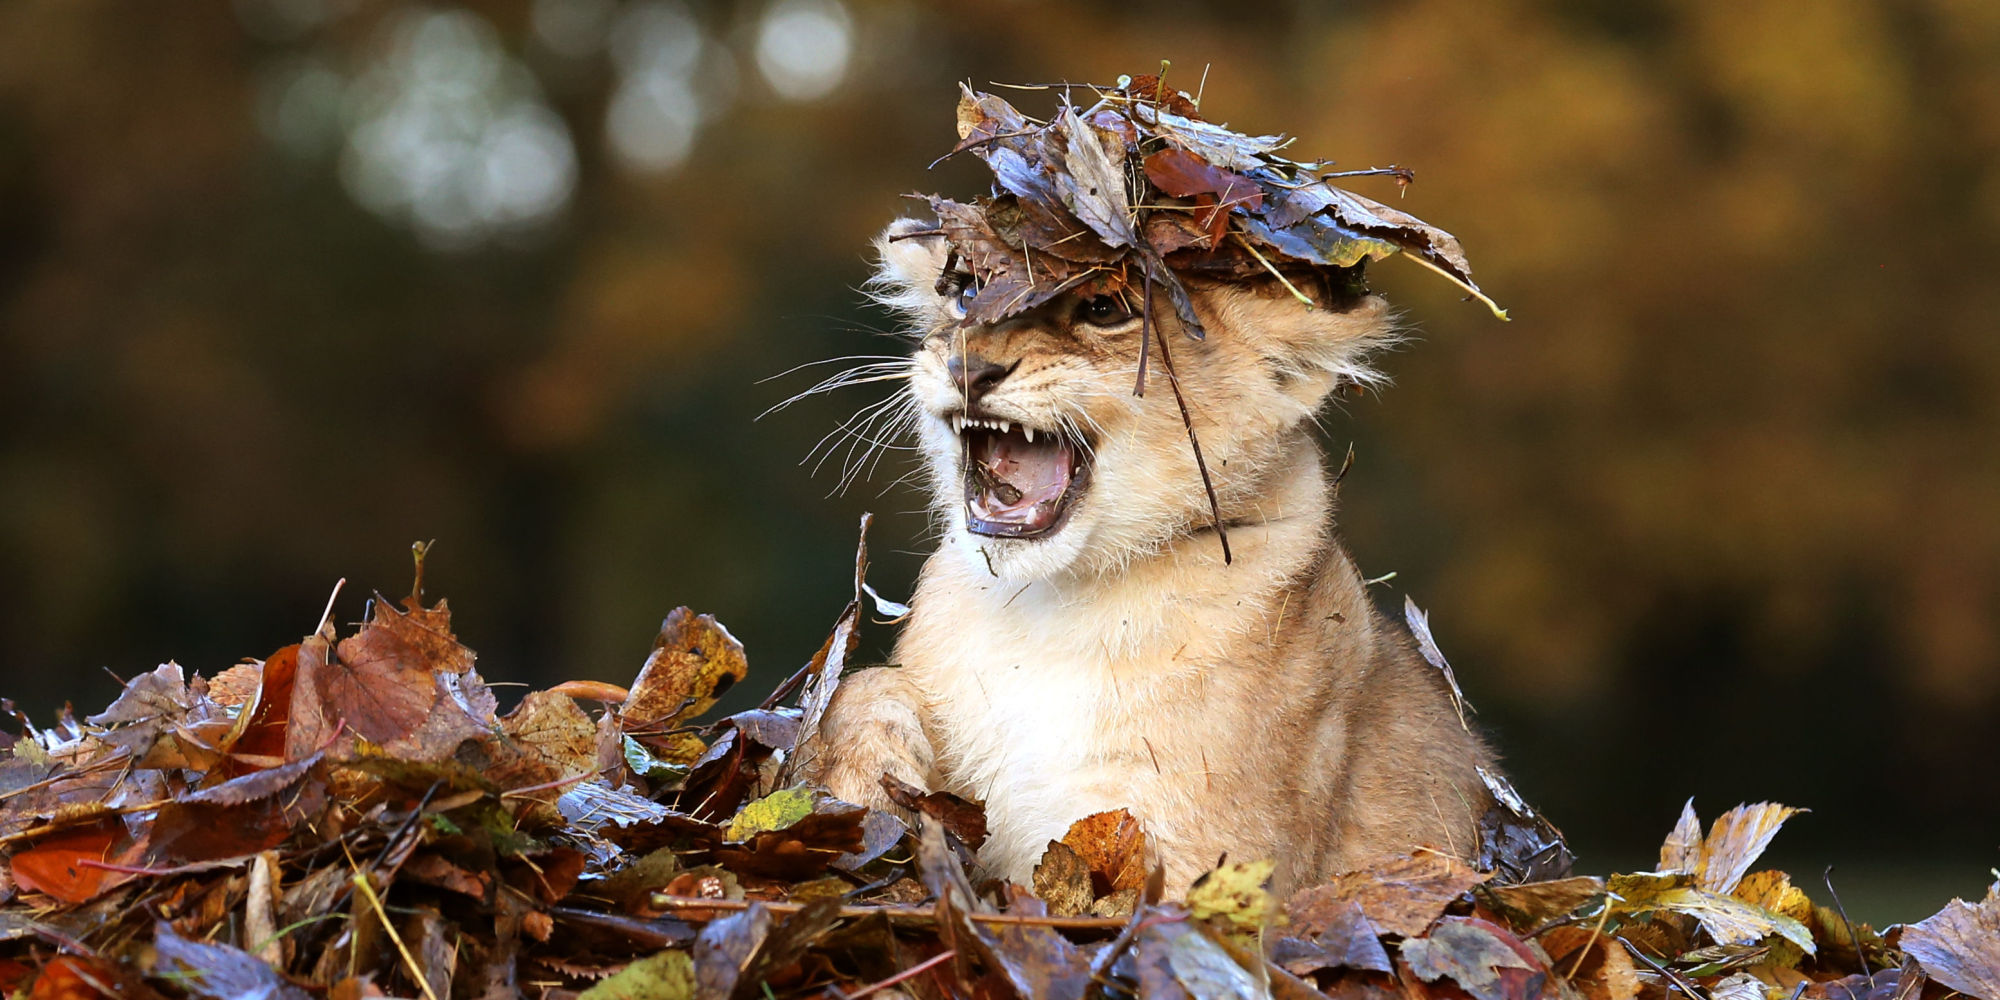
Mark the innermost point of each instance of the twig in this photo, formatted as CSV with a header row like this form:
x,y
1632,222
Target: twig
x,y
1145,332
1214,508
55,826
928,963
906,914
1671,976
546,785
1275,273
330,598
1595,933
1859,953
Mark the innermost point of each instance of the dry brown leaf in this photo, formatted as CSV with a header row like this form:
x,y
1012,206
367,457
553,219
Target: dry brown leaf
x,y
372,683
555,728
1113,847
1401,896
1959,945
694,660
1062,880
1682,850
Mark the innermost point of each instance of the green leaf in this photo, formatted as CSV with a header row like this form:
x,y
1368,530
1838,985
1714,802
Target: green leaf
x,y
644,764
775,811
668,975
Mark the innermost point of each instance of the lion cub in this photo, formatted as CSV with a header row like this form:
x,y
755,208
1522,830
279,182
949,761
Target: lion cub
x,y
1077,643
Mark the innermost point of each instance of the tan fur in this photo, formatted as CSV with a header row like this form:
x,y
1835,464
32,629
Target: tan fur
x,y
1260,709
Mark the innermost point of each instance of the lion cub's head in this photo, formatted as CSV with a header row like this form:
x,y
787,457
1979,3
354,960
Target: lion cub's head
x,y
1044,463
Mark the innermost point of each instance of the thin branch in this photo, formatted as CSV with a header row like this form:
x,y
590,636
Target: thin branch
x,y
686,906
1187,420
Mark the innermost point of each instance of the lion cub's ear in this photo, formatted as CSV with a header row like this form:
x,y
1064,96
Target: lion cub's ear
x,y
906,273
1314,350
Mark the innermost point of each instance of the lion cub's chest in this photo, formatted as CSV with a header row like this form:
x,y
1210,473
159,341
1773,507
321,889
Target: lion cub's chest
x,y
1044,729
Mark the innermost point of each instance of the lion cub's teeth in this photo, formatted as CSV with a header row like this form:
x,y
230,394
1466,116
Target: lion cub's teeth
x,y
1029,431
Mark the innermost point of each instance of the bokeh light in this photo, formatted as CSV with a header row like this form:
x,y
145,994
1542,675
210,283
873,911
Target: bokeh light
x,y
449,134
803,47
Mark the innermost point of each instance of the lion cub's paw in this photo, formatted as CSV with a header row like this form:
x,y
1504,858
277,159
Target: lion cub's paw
x,y
872,728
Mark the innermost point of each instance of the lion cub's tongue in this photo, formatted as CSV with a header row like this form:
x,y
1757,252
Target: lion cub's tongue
x,y
1016,482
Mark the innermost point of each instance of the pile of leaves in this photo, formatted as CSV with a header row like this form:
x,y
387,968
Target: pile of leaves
x,y
351,817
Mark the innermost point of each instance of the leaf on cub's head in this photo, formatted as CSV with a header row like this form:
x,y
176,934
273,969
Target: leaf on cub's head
x,y
1078,199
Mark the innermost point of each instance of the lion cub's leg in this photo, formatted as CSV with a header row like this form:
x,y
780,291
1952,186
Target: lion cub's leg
x,y
874,727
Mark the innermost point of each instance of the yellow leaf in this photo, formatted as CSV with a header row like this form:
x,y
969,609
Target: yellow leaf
x,y
1235,891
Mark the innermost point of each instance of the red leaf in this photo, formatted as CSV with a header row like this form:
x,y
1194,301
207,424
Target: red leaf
x,y
54,865
1184,175
66,978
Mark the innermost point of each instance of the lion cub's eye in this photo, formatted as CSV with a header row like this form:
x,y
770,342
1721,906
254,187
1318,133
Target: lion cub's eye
x,y
961,295
1105,310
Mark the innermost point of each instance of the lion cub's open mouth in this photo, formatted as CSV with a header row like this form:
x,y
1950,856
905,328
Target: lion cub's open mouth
x,y
1019,481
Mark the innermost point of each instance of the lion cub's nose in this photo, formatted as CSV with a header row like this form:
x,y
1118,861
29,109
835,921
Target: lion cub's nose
x,y
974,375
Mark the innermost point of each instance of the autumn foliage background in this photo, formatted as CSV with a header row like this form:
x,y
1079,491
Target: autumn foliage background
x,y
286,284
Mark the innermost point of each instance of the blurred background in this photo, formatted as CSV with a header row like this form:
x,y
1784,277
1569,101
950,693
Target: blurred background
x,y
288,284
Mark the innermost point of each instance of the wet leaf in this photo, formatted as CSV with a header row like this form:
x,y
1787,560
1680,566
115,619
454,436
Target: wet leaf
x,y
1184,175
1532,904
1340,937
1773,890
1199,965
1682,850
372,683
1093,186
238,817
775,811
556,729
67,978
1736,840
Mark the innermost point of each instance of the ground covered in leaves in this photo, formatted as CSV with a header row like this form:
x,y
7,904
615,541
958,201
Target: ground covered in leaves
x,y
352,816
